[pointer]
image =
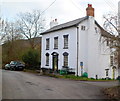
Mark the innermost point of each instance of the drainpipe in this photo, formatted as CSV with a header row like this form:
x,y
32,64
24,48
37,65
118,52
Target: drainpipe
x,y
77,48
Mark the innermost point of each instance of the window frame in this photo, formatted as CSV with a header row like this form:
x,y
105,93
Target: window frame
x,y
55,44
83,28
47,43
111,60
47,59
65,59
66,41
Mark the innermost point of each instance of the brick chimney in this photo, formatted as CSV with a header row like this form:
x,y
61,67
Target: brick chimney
x,y
90,10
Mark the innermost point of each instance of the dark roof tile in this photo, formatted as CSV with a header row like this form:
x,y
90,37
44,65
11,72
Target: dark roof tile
x,y
65,25
75,23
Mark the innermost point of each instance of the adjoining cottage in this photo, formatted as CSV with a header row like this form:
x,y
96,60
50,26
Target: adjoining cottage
x,y
80,46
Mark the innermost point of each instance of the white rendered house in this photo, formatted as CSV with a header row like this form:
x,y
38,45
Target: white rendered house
x,y
78,45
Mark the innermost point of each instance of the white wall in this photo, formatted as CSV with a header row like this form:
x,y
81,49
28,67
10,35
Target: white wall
x,y
94,53
71,47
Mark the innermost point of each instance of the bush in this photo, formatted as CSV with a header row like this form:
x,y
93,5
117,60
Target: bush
x,y
103,79
85,74
31,59
92,78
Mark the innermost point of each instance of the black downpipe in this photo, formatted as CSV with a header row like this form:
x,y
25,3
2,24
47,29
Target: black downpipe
x,y
77,47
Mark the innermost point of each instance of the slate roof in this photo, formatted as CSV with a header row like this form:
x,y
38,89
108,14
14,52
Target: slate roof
x,y
103,32
65,25
75,23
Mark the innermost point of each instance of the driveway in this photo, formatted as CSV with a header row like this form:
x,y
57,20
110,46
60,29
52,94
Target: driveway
x,y
21,85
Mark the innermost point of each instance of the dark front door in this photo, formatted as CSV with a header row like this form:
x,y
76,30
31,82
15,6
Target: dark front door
x,y
55,61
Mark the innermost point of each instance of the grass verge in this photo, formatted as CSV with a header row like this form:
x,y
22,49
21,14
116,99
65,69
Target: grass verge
x,y
71,77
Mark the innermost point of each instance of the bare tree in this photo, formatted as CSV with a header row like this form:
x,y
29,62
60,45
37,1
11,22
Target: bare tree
x,y
30,25
3,26
8,31
111,25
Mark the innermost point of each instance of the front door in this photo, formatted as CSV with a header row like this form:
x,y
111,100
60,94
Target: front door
x,y
55,63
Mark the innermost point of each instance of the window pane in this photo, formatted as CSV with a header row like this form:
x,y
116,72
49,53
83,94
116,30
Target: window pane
x,y
47,60
47,43
66,41
82,27
111,60
66,61
56,43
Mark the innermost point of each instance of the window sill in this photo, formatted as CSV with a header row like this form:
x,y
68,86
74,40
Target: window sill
x,y
65,66
65,48
46,65
55,48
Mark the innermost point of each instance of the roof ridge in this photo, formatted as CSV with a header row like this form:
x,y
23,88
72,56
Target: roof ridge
x,y
70,21
65,25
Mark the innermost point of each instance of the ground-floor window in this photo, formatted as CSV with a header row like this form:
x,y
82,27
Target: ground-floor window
x,y
65,62
47,59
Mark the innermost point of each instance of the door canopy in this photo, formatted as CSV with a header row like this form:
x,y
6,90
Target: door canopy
x,y
55,54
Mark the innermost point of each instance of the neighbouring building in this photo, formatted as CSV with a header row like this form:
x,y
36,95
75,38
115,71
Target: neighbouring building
x,y
81,45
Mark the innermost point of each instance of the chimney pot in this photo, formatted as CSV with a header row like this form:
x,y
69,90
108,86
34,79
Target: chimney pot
x,y
90,10
89,5
53,23
55,20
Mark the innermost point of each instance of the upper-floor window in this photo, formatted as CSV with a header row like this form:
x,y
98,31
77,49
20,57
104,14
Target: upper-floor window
x,y
83,28
65,41
47,44
47,59
55,42
111,60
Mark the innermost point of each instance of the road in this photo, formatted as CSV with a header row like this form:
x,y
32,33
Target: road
x,y
21,85
0,84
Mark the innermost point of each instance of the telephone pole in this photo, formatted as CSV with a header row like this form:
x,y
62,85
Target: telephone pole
x,y
119,41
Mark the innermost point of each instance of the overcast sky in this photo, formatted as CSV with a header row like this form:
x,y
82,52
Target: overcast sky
x,y
63,10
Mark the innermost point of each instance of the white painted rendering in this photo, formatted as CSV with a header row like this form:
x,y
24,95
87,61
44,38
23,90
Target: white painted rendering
x,y
93,51
72,47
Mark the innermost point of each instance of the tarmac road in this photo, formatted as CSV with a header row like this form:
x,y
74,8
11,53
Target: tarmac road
x,y
0,84
21,85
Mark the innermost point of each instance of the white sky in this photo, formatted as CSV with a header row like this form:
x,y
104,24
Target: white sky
x,y
63,10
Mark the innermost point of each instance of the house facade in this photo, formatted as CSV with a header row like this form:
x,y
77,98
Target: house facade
x,y
79,45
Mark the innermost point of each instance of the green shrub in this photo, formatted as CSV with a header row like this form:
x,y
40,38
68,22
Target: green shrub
x,y
92,78
85,74
31,59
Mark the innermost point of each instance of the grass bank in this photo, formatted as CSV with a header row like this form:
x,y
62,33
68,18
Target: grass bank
x,y
71,77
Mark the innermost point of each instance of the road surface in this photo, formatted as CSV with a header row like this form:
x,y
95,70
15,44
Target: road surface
x,y
0,84
21,85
